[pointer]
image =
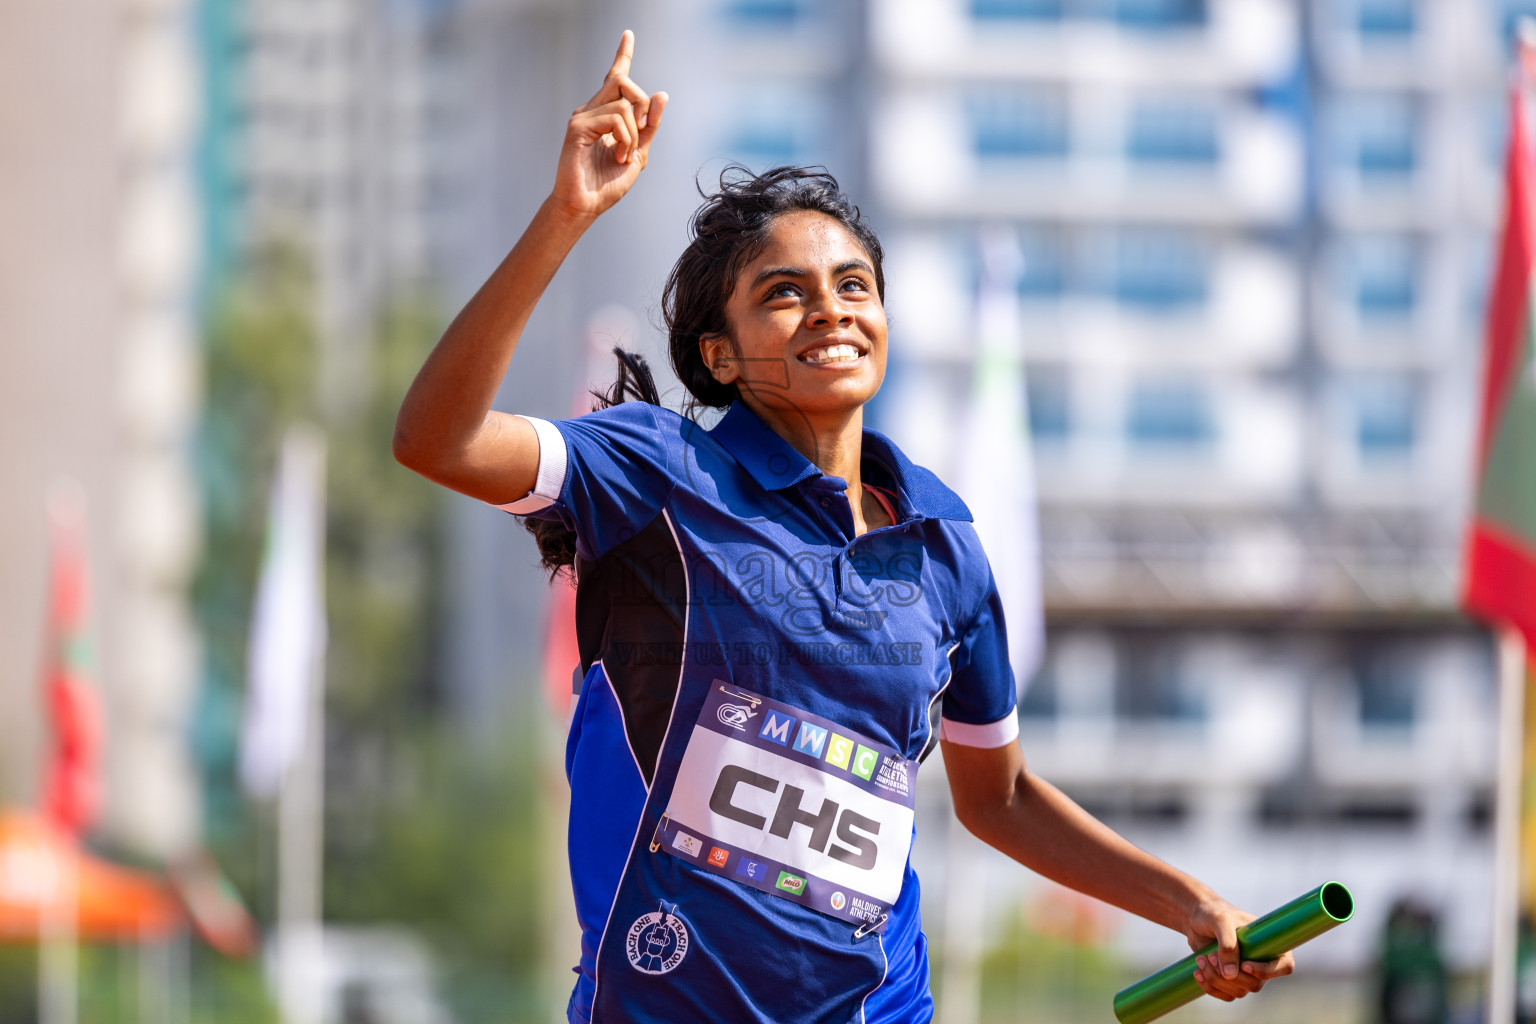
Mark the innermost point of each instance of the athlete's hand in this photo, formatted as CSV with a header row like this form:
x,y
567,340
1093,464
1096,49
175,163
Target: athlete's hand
x,y
1220,974
607,141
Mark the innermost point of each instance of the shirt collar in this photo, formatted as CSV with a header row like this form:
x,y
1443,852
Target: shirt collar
x,y
775,464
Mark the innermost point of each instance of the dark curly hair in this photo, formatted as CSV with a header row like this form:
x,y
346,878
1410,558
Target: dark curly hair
x,y
726,233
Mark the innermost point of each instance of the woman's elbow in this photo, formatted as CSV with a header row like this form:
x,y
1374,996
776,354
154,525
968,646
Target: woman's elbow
x,y
408,449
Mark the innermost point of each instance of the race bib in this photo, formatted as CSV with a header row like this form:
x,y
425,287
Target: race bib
x,y
793,804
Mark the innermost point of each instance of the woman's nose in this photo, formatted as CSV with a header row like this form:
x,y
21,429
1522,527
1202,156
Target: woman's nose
x,y
829,310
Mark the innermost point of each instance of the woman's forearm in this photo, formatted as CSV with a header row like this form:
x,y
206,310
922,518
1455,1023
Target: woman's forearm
x,y
447,405
1043,829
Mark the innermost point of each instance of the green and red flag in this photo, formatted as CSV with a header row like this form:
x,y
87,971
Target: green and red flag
x,y
1499,584
71,794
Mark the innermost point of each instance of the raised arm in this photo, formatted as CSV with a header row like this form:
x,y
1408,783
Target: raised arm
x,y
446,429
1008,807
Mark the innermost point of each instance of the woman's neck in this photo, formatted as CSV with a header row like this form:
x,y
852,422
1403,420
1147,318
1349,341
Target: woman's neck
x,y
833,444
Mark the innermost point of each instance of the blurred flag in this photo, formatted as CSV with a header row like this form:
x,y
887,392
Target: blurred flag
x,y
1499,585
288,630
997,470
1499,581
212,905
72,778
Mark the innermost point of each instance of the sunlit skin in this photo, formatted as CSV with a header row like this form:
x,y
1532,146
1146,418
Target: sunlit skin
x,y
811,286
795,312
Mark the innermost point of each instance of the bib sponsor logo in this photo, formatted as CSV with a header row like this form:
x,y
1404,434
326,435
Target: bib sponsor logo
x,y
718,857
656,943
865,910
687,843
777,728
864,762
790,883
839,750
751,869
811,739
838,901
735,715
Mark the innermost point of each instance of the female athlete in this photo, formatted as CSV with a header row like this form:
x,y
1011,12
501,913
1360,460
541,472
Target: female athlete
x,y
779,618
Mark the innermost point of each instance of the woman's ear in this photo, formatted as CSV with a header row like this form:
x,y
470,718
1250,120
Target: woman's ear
x,y
717,351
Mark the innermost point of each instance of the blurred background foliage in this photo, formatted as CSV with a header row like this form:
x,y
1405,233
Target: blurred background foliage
x,y
421,829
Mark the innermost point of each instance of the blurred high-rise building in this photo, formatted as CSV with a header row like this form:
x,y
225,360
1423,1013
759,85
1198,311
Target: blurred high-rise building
x,y
1255,236
98,275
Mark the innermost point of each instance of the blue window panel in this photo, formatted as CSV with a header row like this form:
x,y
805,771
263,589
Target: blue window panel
x,y
1039,698
763,149
1387,686
1385,298
1380,138
1152,684
1017,10
1018,125
1050,405
1173,133
1512,11
1044,274
1160,272
1385,21
764,13
1170,413
1160,14
1385,278
1386,419
1386,157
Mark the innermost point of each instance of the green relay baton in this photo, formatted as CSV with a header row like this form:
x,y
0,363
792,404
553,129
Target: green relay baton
x,y
1263,938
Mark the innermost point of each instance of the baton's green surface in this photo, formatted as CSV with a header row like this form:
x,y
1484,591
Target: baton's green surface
x,y
1263,938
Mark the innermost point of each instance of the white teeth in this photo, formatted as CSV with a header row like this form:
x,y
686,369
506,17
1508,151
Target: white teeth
x,y
832,354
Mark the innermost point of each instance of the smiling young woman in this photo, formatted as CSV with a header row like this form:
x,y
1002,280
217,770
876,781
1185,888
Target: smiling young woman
x,y
779,619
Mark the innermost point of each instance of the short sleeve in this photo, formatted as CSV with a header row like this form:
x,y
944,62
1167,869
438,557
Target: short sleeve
x,y
980,704
606,474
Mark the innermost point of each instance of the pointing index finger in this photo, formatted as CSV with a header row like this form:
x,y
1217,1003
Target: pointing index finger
x,y
625,54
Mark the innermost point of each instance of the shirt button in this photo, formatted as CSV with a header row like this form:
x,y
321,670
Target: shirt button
x,y
826,502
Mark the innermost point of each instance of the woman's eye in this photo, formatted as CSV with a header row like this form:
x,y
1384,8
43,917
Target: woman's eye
x,y
856,284
780,291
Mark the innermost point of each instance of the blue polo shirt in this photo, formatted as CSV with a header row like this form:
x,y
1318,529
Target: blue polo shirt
x,y
759,687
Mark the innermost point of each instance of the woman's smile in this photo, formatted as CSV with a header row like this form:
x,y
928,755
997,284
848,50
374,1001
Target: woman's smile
x,y
836,356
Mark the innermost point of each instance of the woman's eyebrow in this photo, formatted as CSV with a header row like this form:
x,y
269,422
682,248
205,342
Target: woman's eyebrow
x,y
841,268
778,272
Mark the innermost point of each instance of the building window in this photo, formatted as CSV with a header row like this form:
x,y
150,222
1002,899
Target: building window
x,y
1173,133
1513,11
1160,271
1385,21
764,13
1386,418
1383,278
1017,10
1044,273
1050,403
1039,698
1160,14
777,123
1387,687
1013,125
1170,413
1152,683
1379,138
761,147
